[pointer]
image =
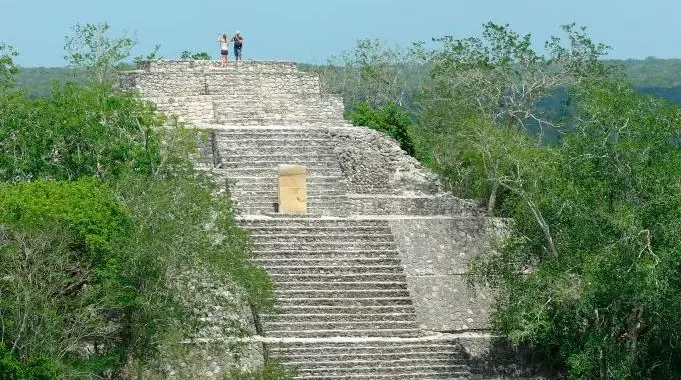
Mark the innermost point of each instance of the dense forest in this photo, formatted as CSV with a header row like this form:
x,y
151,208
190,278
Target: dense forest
x,y
661,77
94,194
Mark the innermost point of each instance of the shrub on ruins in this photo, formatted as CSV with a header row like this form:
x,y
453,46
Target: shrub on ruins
x,y
203,56
102,216
389,119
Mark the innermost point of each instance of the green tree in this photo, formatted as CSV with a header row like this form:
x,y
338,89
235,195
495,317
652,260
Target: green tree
x,y
373,73
501,78
91,49
495,80
8,70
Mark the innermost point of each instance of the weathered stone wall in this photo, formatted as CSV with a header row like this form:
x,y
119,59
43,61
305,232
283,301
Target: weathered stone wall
x,y
372,163
435,254
243,93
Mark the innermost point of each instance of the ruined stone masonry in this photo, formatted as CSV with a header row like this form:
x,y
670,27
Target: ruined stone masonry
x,y
369,282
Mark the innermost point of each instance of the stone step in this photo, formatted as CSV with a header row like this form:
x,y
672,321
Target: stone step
x,y
309,164
382,347
331,278
330,261
274,165
326,244
274,131
311,222
355,253
447,355
257,119
241,138
244,210
350,285
329,196
345,302
325,293
240,157
249,147
313,202
274,149
397,332
315,198
282,152
317,257
284,146
343,309
332,236
254,181
321,229
292,154
390,376
261,190
300,103
278,107
349,326
256,189
271,171
327,317
217,98
369,371
332,269
322,362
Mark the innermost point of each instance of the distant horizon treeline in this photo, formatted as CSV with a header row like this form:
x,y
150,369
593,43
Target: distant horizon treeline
x,y
654,76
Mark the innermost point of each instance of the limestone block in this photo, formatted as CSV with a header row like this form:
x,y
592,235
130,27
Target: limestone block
x,y
446,303
292,189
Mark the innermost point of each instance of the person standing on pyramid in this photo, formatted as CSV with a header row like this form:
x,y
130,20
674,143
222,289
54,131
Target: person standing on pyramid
x,y
238,42
224,52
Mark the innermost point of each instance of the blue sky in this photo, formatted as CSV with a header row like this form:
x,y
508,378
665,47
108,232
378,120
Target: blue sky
x,y
312,30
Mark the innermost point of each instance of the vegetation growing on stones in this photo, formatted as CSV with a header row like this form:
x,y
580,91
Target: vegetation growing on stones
x,y
390,120
270,370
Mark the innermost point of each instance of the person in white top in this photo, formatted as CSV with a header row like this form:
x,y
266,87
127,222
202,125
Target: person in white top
x,y
222,39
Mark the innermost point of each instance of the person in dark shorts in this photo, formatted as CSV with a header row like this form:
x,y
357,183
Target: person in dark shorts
x,y
224,53
238,42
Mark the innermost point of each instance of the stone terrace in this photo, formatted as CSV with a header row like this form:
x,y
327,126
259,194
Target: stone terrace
x,y
369,283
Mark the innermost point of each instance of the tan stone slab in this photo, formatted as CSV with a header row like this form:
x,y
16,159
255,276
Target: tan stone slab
x,y
292,189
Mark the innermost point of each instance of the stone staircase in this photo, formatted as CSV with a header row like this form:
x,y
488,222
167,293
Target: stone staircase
x,y
249,157
375,359
343,306
359,286
344,309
